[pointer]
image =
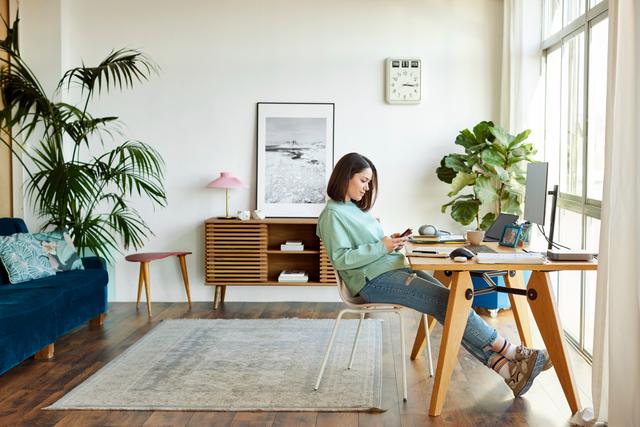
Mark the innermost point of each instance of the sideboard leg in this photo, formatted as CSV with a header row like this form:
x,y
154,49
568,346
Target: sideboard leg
x,y
223,293
217,296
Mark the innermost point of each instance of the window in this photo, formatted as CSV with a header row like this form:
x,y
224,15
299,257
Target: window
x,y
575,52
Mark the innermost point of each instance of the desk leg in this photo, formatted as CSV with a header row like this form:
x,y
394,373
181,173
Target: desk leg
x,y
421,338
519,307
455,321
185,276
544,310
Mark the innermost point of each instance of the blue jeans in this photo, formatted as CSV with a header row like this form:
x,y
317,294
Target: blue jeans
x,y
427,295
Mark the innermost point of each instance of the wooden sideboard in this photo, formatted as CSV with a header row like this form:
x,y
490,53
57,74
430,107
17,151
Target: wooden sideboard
x,y
247,253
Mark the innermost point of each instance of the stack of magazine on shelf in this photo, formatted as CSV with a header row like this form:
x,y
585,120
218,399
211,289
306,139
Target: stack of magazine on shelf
x,y
293,276
292,245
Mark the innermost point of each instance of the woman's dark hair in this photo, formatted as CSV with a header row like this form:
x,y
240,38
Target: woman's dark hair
x,y
349,165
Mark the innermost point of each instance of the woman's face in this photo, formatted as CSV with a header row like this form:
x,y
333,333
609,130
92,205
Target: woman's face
x,y
359,185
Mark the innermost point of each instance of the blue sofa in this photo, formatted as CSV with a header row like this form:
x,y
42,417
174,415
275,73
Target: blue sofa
x,y
35,313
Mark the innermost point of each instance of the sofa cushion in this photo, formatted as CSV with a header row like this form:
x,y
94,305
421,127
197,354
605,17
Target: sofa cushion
x,y
9,226
60,249
23,258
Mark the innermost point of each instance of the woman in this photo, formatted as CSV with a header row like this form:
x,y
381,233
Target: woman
x,y
371,267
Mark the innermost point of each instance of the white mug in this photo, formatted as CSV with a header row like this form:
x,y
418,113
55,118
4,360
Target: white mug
x,y
244,215
475,237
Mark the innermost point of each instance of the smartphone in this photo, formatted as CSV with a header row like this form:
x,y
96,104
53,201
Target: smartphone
x,y
406,232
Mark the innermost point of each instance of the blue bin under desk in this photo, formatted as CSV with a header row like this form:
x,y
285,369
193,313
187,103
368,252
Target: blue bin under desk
x,y
493,300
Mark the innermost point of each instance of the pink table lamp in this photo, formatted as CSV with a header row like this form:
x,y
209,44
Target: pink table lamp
x,y
226,181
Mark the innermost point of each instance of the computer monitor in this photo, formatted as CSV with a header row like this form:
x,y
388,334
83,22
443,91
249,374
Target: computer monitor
x,y
535,196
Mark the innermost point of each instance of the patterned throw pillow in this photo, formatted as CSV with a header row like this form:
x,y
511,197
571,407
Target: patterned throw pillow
x,y
60,249
23,258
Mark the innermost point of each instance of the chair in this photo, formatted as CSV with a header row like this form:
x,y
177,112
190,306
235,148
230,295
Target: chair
x,y
358,306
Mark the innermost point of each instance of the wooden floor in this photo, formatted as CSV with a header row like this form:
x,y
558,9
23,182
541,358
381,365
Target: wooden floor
x,y
477,396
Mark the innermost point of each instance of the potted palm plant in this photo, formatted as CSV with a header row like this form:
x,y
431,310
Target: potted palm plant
x,y
80,176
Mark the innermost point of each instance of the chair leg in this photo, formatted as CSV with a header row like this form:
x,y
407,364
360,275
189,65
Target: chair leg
x,y
326,353
355,341
429,355
404,357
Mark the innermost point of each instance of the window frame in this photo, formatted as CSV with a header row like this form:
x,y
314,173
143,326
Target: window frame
x,y
582,205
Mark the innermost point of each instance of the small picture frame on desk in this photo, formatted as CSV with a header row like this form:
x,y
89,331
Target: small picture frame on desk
x,y
511,235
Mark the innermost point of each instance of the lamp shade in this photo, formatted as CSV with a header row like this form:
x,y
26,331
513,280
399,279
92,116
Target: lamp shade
x,y
226,180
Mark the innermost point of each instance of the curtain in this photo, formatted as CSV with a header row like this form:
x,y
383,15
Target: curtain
x,y
616,364
522,86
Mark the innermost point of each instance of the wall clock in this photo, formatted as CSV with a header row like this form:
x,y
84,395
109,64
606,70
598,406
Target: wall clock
x,y
403,80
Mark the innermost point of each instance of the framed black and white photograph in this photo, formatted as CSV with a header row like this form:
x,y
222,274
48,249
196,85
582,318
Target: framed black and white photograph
x,y
295,158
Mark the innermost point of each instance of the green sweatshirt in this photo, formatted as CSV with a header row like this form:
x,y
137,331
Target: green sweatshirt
x,y
353,240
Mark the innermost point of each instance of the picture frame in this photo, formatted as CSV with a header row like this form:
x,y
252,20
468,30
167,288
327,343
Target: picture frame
x,y
294,157
511,235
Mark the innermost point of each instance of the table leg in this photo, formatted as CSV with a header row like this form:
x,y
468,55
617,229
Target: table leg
x,y
223,293
147,284
185,276
458,306
140,282
421,339
541,301
519,307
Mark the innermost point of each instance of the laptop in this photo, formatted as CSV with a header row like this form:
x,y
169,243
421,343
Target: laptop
x,y
494,233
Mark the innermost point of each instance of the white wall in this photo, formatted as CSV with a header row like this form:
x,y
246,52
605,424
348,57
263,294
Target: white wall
x,y
218,58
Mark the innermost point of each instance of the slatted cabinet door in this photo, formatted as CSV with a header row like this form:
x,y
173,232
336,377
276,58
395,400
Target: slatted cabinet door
x,y
327,273
236,253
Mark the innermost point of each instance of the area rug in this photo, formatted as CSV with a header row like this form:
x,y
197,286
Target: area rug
x,y
239,365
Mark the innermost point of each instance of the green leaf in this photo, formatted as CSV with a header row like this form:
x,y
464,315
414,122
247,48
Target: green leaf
x,y
487,220
460,181
511,204
457,162
481,131
465,211
485,189
502,174
502,137
492,156
444,207
445,174
466,139
514,160
519,138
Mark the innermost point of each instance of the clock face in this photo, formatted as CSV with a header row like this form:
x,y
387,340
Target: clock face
x,y
403,81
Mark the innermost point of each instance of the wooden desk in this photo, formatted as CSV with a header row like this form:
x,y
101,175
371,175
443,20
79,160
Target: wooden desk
x,y
539,295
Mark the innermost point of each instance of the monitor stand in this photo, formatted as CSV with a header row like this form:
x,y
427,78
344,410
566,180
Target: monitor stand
x,y
554,201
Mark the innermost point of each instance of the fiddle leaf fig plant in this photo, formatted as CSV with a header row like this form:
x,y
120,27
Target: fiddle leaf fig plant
x,y
489,177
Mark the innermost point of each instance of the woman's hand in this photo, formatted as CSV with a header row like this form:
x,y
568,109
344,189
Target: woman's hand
x,y
395,242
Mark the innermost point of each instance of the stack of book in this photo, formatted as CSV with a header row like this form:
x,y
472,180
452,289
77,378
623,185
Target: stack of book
x,y
293,276
447,238
292,245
